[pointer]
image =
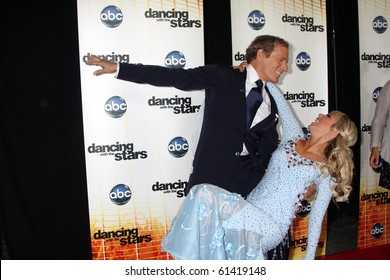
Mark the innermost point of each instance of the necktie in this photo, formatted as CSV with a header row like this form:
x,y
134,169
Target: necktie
x,y
253,101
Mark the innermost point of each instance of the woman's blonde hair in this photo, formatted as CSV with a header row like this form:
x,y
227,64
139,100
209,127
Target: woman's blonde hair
x,y
340,163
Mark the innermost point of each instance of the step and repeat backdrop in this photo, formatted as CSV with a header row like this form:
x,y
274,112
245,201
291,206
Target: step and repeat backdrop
x,y
374,43
138,138
305,86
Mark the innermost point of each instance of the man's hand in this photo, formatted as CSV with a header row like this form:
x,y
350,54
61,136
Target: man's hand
x,y
374,157
107,66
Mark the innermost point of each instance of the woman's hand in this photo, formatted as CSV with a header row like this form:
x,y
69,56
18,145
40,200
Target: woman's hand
x,y
311,191
242,66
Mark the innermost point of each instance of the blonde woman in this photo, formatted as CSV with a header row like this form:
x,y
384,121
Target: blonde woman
x,y
213,223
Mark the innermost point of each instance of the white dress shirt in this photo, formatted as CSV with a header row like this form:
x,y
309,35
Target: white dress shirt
x,y
265,107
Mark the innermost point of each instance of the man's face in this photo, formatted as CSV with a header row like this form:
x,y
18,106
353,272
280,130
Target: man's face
x,y
272,67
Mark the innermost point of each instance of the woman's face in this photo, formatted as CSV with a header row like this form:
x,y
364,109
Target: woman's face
x,y
322,125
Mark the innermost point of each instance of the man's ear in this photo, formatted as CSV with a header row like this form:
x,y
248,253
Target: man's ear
x,y
260,53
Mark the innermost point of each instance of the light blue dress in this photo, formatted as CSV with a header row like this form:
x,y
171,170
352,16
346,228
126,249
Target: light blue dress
x,y
213,223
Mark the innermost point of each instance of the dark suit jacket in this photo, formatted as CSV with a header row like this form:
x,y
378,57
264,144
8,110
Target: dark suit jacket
x,y
224,123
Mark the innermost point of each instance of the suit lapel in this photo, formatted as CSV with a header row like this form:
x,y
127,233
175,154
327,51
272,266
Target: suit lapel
x,y
240,96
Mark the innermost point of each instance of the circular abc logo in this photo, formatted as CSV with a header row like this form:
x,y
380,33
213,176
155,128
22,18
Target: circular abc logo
x,y
304,208
111,16
115,107
376,93
256,20
178,147
175,59
377,231
303,61
120,194
379,24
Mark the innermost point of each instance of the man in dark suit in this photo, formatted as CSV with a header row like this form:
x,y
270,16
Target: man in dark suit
x,y
230,153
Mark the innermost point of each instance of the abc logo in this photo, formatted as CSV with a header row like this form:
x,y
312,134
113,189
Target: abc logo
x,y
111,16
115,107
376,92
120,194
304,209
379,24
377,231
303,61
175,59
256,20
178,147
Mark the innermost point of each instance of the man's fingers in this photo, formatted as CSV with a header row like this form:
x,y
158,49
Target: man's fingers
x,y
92,60
98,72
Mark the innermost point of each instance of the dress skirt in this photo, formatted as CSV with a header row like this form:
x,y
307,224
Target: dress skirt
x,y
214,224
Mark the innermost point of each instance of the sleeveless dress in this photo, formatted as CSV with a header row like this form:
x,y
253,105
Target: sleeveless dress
x,y
213,223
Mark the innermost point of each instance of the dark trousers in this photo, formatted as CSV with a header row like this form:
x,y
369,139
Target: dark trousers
x,y
282,251
384,178
246,177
